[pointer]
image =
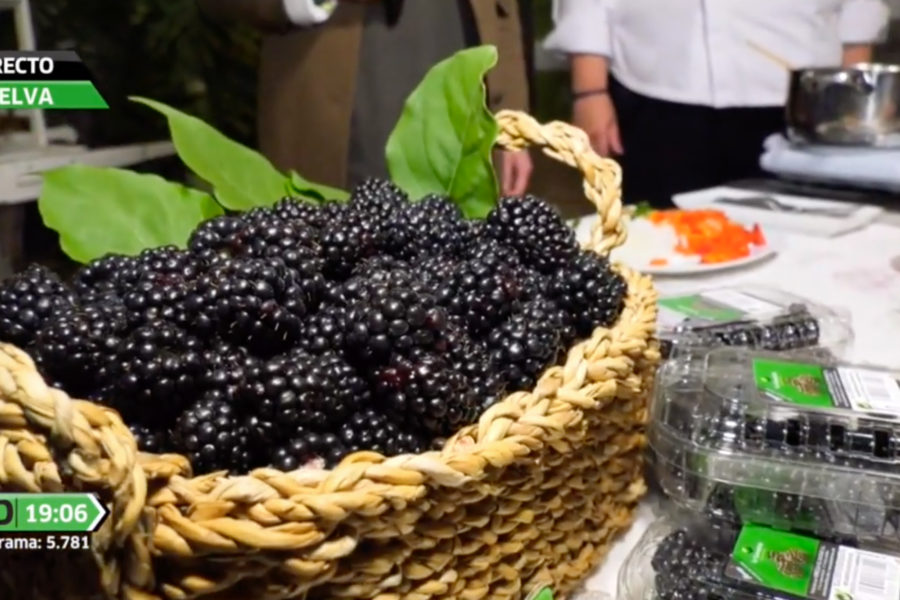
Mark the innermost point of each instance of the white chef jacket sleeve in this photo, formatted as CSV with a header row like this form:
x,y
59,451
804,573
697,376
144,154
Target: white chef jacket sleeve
x,y
581,27
308,12
864,21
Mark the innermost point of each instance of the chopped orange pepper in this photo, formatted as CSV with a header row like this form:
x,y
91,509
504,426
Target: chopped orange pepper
x,y
659,262
709,234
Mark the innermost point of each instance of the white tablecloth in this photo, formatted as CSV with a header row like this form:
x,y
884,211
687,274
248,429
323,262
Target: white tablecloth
x,y
858,272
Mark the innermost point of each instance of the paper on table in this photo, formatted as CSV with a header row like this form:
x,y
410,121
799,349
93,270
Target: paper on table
x,y
810,224
875,168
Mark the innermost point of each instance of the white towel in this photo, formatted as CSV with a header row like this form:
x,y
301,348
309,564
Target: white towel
x,y
873,168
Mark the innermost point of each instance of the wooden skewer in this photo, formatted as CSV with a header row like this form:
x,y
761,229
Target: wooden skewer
x,y
783,63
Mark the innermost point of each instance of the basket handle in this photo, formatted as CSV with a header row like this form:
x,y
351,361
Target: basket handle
x,y
570,145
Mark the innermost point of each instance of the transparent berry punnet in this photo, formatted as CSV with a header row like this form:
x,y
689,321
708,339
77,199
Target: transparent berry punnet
x,y
693,559
759,318
791,441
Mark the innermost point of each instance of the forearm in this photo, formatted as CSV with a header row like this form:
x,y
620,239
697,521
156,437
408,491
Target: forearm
x,y
589,72
857,53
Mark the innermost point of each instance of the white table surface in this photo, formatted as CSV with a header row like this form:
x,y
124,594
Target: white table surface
x,y
853,272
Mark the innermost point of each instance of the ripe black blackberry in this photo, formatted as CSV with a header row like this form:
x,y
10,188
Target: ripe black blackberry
x,y
378,199
297,211
527,343
78,348
225,369
304,447
160,285
372,430
300,390
255,302
111,273
157,373
483,291
27,300
347,239
535,230
437,228
589,291
485,381
395,318
149,439
210,434
425,393
324,330
219,234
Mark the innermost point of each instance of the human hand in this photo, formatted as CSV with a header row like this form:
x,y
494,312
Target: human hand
x,y
596,115
515,169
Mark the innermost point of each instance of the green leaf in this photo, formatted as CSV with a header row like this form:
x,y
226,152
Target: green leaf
x,y
98,211
298,186
242,177
642,209
442,143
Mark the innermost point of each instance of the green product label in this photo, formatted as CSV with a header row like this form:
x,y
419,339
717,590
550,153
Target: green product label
x,y
696,306
78,513
775,559
793,382
543,593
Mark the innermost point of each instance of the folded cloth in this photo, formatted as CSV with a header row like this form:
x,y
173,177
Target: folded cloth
x,y
873,168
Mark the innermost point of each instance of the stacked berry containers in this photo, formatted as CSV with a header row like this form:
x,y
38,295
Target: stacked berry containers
x,y
693,559
789,441
758,318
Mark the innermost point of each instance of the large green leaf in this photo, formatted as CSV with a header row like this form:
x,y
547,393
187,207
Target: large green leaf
x,y
98,211
443,140
241,177
316,191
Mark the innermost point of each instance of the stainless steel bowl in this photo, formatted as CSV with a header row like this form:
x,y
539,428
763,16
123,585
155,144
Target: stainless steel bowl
x,y
853,106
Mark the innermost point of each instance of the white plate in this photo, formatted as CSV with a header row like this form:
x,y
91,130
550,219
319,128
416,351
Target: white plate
x,y
647,241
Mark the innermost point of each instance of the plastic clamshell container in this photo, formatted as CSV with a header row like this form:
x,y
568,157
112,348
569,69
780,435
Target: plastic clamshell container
x,y
792,441
694,559
759,318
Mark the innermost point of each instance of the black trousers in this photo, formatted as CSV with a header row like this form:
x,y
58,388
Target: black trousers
x,y
672,147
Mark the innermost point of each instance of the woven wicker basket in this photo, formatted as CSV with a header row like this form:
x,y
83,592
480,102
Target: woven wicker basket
x,y
533,494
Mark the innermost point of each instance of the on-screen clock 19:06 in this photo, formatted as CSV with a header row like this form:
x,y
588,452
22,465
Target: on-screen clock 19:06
x,y
51,512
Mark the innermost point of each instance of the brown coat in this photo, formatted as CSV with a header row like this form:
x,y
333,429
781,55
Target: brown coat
x,y
307,75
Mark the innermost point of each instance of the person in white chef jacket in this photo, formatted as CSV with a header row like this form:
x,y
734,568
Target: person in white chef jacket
x,y
683,92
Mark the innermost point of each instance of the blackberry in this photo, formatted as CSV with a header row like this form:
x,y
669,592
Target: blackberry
x,y
346,240
535,230
437,270
219,234
483,291
149,439
27,300
258,303
378,199
209,433
225,370
372,430
425,393
111,273
590,293
527,343
258,214
157,373
394,319
301,390
304,447
324,331
161,281
495,251
485,381
437,228
297,211
78,348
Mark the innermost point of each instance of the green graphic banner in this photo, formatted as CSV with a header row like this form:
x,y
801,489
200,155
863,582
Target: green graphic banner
x,y
50,95
77,513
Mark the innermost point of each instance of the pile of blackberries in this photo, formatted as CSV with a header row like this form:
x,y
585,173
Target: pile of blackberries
x,y
796,328
304,332
689,564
